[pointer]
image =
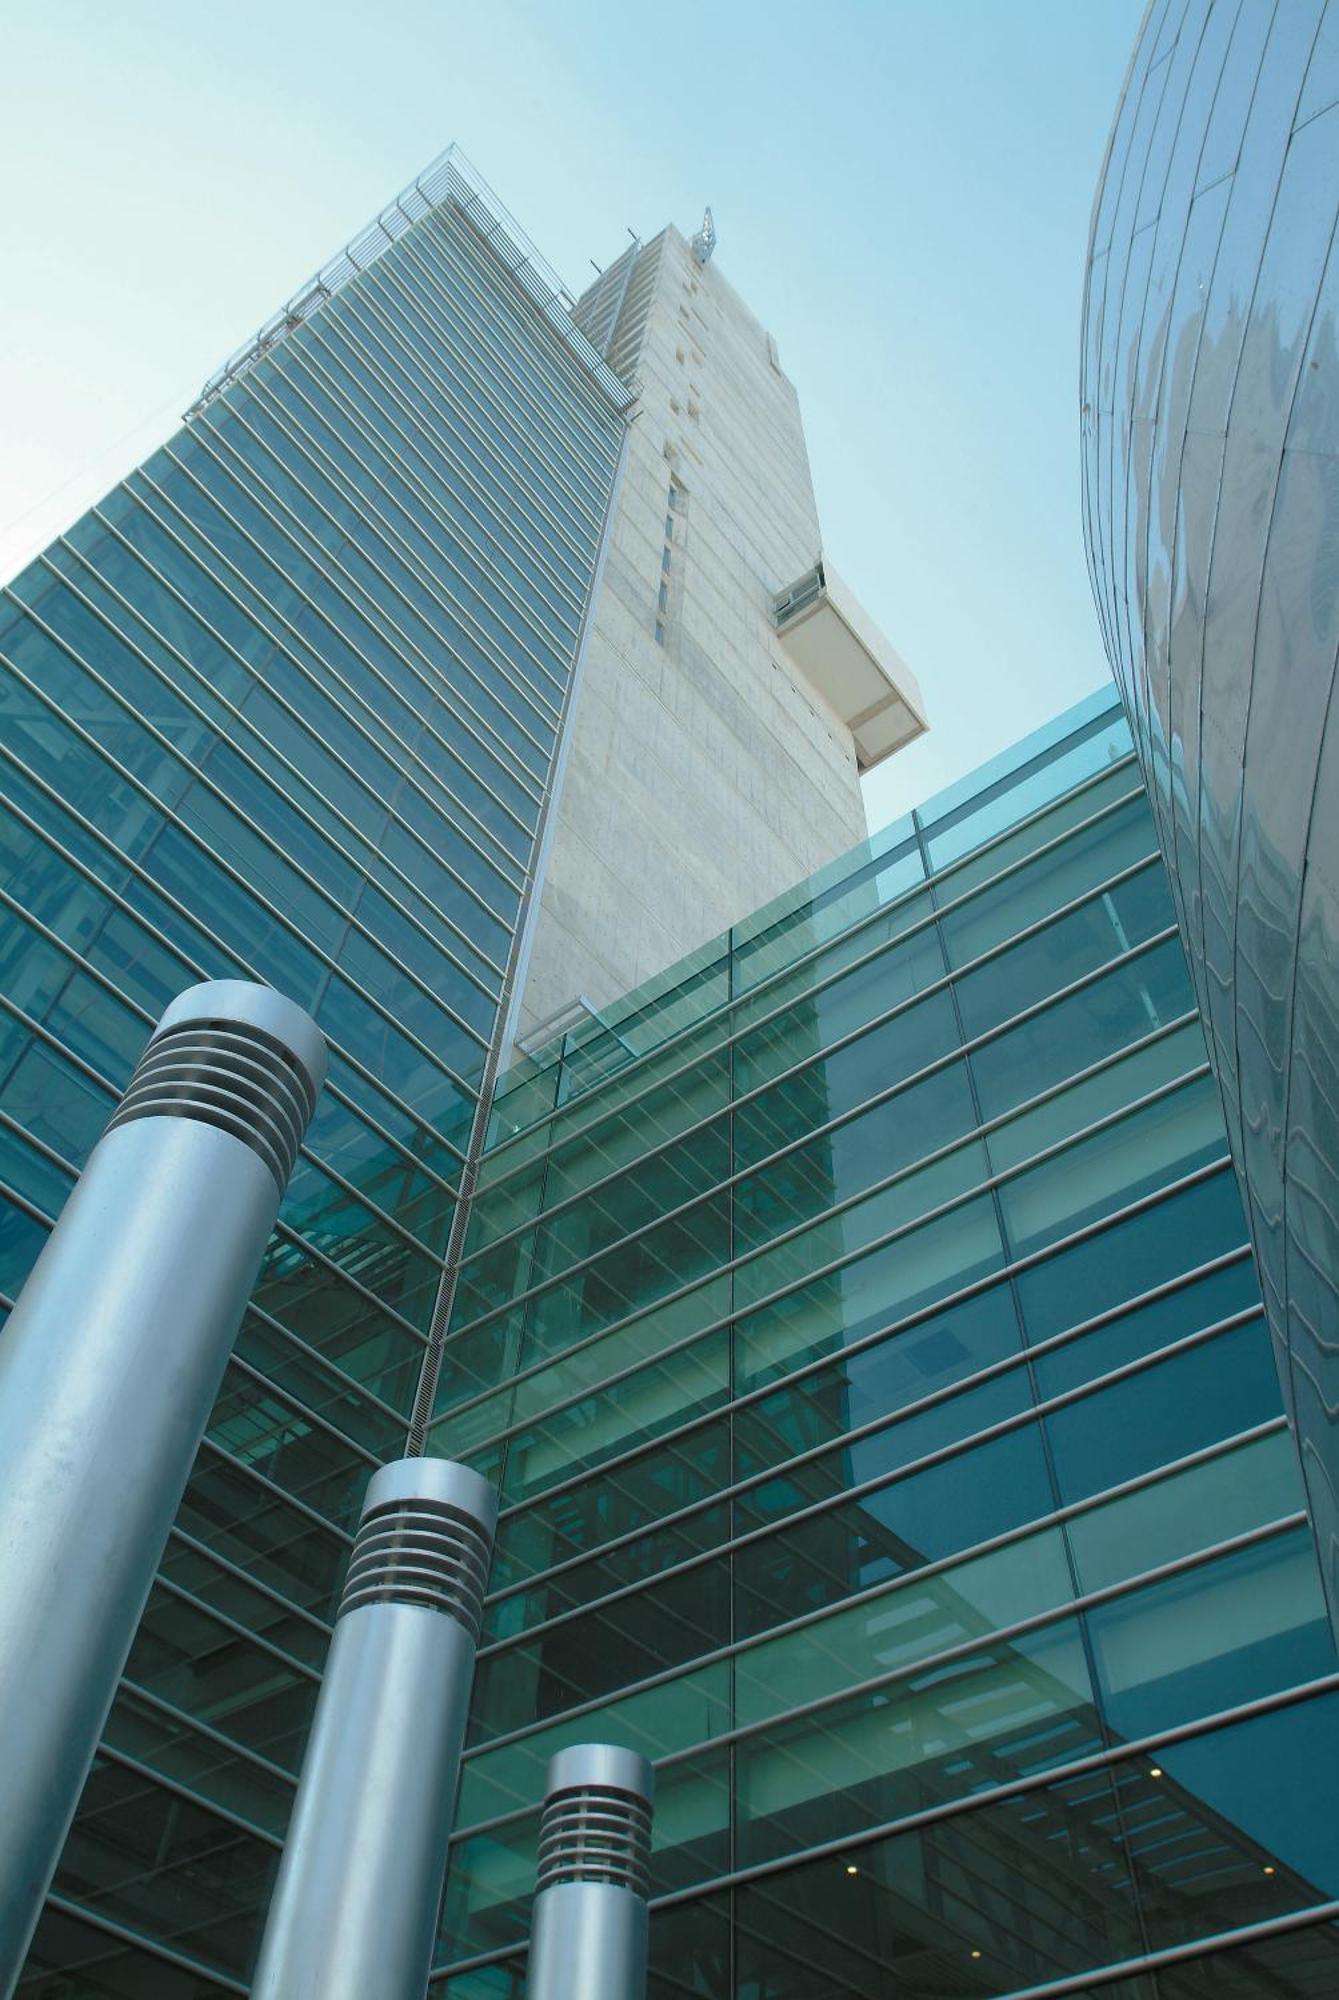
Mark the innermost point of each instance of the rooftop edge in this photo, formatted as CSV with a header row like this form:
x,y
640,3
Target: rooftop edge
x,y
449,178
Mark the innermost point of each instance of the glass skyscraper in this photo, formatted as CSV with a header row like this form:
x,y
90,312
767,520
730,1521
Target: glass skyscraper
x,y
286,705
858,1316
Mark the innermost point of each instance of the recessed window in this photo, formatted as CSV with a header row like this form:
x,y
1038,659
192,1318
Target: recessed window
x,y
665,560
660,633
664,597
669,527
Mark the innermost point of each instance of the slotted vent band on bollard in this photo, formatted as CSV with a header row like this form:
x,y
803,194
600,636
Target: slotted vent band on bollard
x,y
595,1834
229,1074
420,1552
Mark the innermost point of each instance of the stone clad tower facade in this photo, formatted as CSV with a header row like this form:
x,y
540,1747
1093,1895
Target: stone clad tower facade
x,y
707,769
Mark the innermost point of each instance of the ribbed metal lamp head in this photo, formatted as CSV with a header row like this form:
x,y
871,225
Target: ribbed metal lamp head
x,y
425,1537
238,1056
596,1825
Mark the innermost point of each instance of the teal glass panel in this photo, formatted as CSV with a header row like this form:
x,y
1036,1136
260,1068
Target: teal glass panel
x,y
1300,1964
1025,779
678,1715
1244,1625
70,1956
168,1740
663,1624
1182,1404
581,1514
181,1873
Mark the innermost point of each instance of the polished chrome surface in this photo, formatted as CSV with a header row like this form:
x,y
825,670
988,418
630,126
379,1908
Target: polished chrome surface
x,y
355,1906
109,1364
1210,395
589,1933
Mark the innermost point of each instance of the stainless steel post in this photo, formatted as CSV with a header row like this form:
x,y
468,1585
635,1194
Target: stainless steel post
x,y
110,1362
588,1931
354,1912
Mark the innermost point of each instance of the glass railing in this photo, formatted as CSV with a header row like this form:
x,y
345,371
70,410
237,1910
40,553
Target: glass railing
x,y
1013,790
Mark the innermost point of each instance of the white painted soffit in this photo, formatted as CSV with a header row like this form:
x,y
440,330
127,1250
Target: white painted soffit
x,y
831,640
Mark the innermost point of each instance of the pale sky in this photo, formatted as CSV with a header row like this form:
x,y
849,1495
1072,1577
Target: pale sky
x,y
901,189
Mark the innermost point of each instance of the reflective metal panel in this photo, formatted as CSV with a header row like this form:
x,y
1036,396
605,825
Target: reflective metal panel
x,y
1211,481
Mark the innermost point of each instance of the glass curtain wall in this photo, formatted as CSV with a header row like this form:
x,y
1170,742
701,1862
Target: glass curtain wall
x,y
284,706
862,1327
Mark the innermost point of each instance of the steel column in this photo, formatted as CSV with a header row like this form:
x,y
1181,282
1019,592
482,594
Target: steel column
x,y
355,1905
109,1365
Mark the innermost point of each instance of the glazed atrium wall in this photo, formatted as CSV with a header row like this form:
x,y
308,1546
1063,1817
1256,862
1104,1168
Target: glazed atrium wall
x,y
864,1334
286,706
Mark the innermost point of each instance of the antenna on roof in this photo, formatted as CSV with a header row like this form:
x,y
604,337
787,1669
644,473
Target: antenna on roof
x,y
705,241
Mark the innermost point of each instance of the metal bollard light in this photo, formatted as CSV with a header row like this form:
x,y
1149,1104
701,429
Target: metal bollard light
x,y
109,1365
355,1905
589,1929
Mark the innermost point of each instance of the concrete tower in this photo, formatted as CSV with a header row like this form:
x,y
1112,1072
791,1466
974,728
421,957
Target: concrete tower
x,y
717,743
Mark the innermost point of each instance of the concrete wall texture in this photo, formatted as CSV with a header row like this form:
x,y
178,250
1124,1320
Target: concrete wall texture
x,y
703,774
1211,499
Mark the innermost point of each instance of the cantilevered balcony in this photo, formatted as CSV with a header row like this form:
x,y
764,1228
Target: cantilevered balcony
x,y
829,639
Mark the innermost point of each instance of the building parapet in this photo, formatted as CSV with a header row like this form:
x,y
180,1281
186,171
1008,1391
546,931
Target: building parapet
x,y
449,178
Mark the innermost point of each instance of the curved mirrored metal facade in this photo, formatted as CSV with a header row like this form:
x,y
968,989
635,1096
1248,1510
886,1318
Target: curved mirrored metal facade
x,y
1210,401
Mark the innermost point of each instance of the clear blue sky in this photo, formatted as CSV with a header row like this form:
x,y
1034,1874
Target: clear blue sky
x,y
901,188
